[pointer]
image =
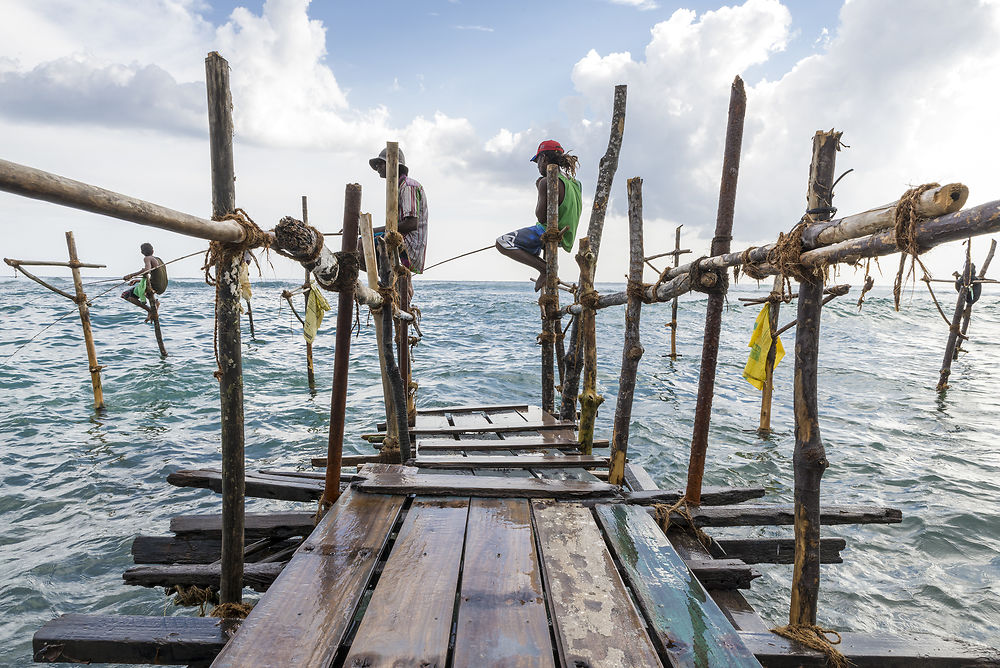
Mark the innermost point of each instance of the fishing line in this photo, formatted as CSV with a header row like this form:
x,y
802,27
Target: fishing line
x,y
480,250
39,333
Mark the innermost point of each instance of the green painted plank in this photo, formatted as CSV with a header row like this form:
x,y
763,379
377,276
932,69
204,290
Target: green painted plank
x,y
691,628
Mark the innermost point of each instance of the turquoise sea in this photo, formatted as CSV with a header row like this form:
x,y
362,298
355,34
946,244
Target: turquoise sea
x,y
76,486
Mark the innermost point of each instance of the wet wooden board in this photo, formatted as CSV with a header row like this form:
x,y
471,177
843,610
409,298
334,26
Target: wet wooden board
x,y
409,616
479,420
259,577
475,408
259,485
346,460
689,626
302,619
527,426
778,550
192,549
783,514
722,573
875,651
637,479
404,482
257,525
427,445
595,622
179,640
501,616
710,496
512,461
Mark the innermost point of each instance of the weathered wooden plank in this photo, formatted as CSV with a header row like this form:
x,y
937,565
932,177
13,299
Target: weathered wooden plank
x,y
778,550
161,640
875,651
782,514
689,627
534,414
258,525
722,573
194,549
507,462
501,616
408,620
479,420
637,479
510,443
258,485
257,576
594,619
345,460
434,484
471,408
488,428
305,614
710,496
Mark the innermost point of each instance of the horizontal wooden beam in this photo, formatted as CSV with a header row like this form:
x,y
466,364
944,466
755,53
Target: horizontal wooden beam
x,y
257,525
404,481
258,485
485,428
346,460
783,515
162,640
722,573
513,443
710,496
472,408
47,263
868,650
778,550
256,576
36,184
512,462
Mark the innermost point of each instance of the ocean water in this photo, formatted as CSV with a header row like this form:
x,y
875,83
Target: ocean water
x,y
76,486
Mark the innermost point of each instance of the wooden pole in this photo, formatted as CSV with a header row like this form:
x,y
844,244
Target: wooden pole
x,y
88,336
589,399
809,459
306,284
632,350
713,315
673,307
960,321
155,312
250,320
549,300
605,178
397,392
342,356
764,427
220,127
967,316
388,454
36,184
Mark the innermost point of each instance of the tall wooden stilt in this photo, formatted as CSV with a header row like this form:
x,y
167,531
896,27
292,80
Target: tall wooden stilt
x,y
305,284
220,125
549,300
960,321
809,459
632,350
589,399
342,355
605,177
774,301
88,336
673,306
713,315
154,308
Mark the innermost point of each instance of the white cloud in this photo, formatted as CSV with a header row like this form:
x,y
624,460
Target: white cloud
x,y
475,28
638,4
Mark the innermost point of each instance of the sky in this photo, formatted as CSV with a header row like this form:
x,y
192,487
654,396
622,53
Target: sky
x,y
112,93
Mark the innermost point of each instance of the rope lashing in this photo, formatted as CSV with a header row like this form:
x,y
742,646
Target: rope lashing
x,y
905,231
552,235
664,517
748,267
641,291
815,637
546,337
590,298
393,240
719,286
232,610
193,595
348,268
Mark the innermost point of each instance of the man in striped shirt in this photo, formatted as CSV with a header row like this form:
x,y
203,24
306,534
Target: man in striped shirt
x,y
412,215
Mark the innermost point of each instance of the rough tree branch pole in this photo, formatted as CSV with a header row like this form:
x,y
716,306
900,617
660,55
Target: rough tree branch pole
x,y
605,177
716,299
220,131
549,299
809,459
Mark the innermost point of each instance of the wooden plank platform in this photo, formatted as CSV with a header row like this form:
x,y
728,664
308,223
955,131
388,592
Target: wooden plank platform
x,y
404,482
781,514
259,485
303,618
411,625
508,462
511,443
594,619
487,428
179,640
778,550
501,619
688,625
259,577
710,496
257,525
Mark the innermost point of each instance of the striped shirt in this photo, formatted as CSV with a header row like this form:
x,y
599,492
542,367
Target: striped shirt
x,y
413,202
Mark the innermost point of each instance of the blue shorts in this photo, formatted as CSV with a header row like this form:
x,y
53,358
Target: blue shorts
x,y
527,239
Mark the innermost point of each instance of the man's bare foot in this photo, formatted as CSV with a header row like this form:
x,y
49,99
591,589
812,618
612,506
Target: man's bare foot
x,y
539,282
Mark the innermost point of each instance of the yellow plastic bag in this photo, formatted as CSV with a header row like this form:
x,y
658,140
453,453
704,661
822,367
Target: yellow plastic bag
x,y
760,343
245,281
316,306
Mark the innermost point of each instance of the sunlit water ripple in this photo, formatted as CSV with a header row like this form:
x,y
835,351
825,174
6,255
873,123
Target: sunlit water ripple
x,y
78,486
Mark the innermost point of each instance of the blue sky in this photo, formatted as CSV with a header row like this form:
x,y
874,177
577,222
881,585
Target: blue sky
x,y
112,93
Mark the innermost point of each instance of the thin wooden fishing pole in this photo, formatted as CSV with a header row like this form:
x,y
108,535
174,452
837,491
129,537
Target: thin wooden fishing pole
x,y
673,307
306,284
88,336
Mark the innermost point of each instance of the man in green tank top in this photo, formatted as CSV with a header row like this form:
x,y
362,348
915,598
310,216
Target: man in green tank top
x,y
525,244
153,281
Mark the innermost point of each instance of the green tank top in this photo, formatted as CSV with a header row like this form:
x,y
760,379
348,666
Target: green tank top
x,y
158,277
569,211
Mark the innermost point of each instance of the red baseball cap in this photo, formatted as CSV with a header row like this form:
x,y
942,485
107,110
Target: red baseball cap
x,y
547,145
